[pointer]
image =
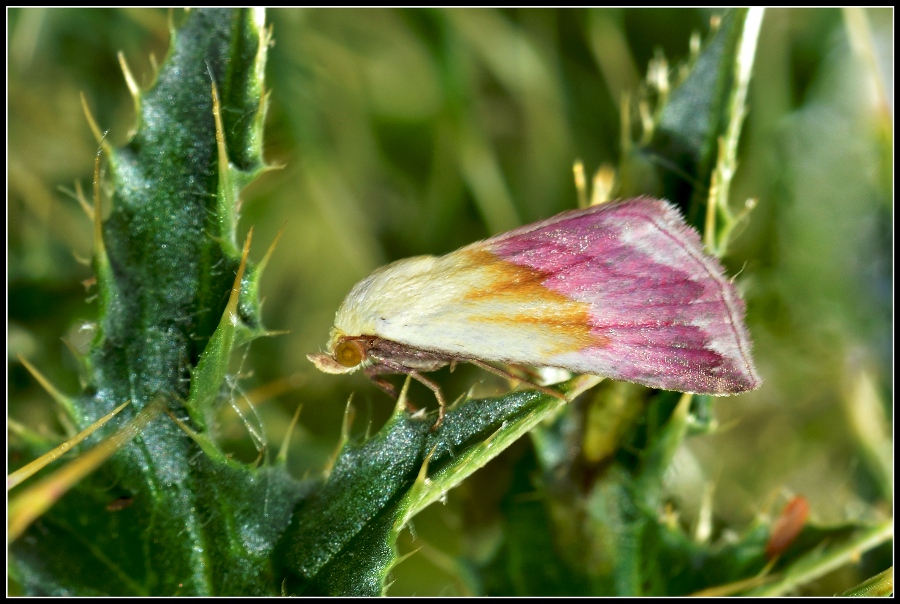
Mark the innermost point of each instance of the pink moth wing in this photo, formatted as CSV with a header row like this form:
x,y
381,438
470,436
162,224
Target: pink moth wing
x,y
623,290
660,309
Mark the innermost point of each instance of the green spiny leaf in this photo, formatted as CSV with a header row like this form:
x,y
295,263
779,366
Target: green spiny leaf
x,y
195,524
342,540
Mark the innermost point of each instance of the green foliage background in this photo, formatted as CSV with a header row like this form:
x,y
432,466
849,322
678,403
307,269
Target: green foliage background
x,y
406,132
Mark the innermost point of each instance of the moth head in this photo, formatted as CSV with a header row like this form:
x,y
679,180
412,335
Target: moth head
x,y
346,355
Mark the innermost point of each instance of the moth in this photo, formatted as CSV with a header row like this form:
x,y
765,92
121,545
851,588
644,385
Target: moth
x,y
622,290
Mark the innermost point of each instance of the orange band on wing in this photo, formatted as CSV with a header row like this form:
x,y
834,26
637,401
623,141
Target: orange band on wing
x,y
536,305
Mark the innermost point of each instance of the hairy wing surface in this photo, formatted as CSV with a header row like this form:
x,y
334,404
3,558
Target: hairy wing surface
x,y
622,290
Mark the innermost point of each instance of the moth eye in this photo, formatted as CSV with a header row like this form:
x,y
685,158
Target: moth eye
x,y
348,354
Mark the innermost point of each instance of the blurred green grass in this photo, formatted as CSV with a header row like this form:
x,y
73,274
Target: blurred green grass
x,y
405,132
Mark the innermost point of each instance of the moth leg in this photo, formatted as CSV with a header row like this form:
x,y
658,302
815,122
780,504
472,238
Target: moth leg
x,y
442,406
383,384
384,366
387,387
509,376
